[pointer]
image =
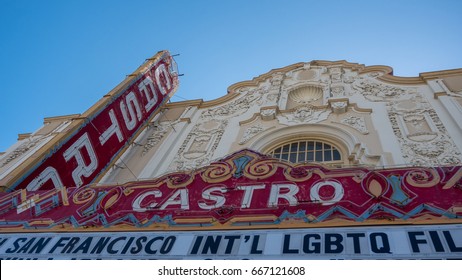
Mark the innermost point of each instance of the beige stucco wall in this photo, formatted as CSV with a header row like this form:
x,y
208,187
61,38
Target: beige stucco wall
x,y
372,117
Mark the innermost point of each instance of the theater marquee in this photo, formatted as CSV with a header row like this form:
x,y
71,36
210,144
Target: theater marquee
x,y
245,190
407,242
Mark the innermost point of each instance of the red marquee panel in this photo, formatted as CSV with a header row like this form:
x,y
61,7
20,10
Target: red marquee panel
x,y
245,189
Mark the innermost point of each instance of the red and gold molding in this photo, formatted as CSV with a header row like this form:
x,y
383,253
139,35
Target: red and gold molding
x,y
244,190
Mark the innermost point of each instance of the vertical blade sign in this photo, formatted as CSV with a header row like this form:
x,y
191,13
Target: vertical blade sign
x,y
89,149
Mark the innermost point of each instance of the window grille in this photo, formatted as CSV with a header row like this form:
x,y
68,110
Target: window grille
x,y
307,151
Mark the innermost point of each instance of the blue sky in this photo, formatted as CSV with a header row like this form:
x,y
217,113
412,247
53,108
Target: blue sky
x,y
60,57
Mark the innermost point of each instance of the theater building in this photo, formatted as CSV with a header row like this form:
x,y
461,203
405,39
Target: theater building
x,y
316,160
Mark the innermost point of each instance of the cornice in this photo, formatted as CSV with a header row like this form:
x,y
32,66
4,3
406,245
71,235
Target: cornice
x,y
181,104
220,100
387,76
401,80
60,118
23,136
200,103
440,74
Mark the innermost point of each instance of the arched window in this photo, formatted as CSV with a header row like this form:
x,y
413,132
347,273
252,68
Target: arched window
x,y
307,151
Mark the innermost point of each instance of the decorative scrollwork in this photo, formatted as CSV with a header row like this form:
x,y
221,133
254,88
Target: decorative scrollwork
x,y
261,169
298,173
83,195
217,172
422,178
179,180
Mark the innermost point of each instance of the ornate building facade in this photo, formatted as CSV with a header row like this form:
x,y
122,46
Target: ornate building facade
x,y
325,159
